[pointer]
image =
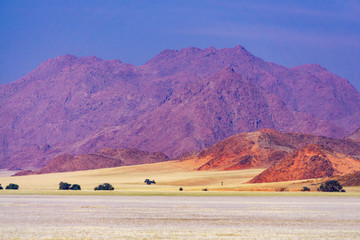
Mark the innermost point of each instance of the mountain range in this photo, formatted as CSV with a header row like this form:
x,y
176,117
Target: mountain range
x,y
179,101
285,156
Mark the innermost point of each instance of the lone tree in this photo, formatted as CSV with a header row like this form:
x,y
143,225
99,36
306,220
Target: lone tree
x,y
104,186
75,187
12,186
64,186
331,186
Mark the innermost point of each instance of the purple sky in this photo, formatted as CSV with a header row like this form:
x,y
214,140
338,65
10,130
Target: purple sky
x,y
289,33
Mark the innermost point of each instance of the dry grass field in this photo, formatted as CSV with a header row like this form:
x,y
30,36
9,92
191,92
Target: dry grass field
x,y
169,177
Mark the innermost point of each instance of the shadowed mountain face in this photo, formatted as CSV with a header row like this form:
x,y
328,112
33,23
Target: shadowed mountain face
x,y
177,102
355,136
105,158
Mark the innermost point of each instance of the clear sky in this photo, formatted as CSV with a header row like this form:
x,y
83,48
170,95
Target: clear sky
x,y
289,33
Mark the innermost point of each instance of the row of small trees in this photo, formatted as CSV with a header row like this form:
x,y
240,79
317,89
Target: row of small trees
x,y
328,186
68,186
10,186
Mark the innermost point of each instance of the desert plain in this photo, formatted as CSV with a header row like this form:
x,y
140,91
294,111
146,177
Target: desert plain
x,y
169,177
175,217
230,209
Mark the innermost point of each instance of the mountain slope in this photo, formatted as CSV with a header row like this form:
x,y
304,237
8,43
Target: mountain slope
x,y
355,136
179,101
105,158
263,148
312,161
202,115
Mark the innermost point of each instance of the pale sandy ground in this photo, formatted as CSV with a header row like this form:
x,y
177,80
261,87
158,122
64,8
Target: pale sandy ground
x,y
162,217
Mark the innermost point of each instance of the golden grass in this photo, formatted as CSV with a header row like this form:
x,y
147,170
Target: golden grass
x,y
169,176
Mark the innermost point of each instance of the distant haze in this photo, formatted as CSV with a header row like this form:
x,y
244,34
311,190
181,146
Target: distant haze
x,y
288,33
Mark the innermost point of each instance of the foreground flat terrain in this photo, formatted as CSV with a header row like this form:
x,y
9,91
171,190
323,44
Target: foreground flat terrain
x,y
169,177
161,217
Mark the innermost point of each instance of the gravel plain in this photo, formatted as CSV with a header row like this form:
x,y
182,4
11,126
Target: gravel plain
x,y
161,217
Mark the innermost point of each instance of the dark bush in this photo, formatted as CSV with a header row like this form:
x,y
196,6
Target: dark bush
x,y
67,186
1,188
305,189
205,189
104,186
148,181
64,186
12,186
75,187
180,189
330,186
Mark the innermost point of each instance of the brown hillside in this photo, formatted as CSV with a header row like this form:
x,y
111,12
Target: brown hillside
x,y
351,179
312,161
105,158
262,149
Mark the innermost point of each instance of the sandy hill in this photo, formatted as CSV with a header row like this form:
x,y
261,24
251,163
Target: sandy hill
x,y
312,161
105,158
179,101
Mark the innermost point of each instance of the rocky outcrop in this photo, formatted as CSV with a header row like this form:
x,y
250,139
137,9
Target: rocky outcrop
x,y
261,149
312,161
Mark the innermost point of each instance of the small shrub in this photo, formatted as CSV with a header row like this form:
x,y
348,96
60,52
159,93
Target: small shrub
x,y
1,188
205,189
104,186
149,182
330,186
75,187
12,186
64,186
305,189
180,189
